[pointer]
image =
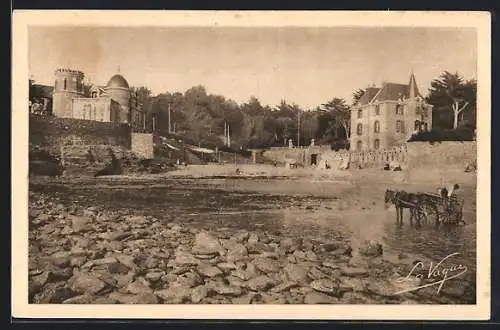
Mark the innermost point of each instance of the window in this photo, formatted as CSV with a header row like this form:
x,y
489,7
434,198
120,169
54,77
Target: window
x,y
359,145
65,83
376,144
94,95
360,113
417,125
377,110
55,85
359,129
400,126
399,109
376,126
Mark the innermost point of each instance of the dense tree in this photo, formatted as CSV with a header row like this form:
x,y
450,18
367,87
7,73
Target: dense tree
x,y
200,117
449,92
339,115
357,95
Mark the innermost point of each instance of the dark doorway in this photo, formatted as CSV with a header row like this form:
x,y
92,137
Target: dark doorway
x,y
314,159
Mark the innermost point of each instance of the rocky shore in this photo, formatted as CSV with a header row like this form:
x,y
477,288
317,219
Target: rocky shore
x,y
93,256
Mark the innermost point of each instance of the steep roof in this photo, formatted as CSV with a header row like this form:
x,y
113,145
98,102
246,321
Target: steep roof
x,y
391,92
370,92
413,88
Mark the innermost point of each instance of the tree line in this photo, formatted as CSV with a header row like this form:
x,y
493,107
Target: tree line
x,y
200,118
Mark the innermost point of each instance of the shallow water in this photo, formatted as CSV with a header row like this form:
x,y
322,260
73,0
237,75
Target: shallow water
x,y
322,210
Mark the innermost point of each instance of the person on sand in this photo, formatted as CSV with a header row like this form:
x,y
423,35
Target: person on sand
x,y
327,166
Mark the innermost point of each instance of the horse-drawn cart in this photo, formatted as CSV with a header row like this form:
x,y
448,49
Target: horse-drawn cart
x,y
425,207
448,210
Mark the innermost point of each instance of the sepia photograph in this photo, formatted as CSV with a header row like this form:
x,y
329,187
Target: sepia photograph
x,y
255,162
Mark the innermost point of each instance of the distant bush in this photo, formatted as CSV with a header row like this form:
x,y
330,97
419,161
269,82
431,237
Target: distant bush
x,y
459,134
340,145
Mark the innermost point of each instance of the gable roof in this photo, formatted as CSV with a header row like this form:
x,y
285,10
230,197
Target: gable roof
x,y
370,92
391,92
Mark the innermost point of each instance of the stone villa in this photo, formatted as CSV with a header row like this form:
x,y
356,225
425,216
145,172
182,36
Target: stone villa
x,y
114,102
387,116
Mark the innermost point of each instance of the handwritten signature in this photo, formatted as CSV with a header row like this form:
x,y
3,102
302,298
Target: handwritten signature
x,y
438,274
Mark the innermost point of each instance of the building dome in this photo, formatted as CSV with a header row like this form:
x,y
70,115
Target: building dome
x,y
117,81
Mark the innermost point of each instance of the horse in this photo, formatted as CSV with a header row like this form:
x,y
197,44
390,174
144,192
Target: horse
x,y
401,200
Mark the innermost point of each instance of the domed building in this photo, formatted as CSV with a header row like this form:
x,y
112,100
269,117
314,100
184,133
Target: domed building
x,y
114,102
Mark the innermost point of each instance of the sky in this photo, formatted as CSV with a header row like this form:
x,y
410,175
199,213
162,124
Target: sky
x,y
306,66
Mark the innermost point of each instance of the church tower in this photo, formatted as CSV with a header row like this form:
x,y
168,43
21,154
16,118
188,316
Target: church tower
x,y
68,84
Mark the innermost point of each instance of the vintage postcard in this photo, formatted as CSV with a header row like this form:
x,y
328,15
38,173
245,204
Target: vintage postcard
x,y
314,165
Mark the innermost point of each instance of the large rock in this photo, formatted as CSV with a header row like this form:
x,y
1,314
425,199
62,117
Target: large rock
x,y
296,273
81,299
116,235
267,265
319,298
80,223
137,287
199,293
237,252
371,249
86,283
289,244
126,260
61,274
226,290
190,279
54,293
353,271
209,271
206,244
38,281
285,286
261,283
176,293
183,258
61,259
226,267
246,273
311,256
314,273
139,298
154,277
258,247
326,286
118,268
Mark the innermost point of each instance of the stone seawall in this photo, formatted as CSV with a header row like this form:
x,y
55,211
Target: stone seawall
x,y
52,132
142,145
441,161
